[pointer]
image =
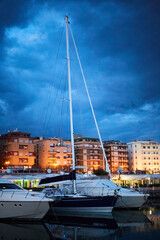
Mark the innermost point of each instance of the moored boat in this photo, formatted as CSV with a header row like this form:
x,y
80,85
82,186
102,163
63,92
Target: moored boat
x,y
17,203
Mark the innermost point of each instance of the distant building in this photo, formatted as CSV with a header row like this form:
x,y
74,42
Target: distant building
x,y
16,150
117,155
53,153
88,153
144,155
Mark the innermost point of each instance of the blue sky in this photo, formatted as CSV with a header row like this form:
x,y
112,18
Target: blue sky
x,y
119,47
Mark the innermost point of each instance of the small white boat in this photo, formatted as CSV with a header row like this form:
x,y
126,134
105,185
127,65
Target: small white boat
x,y
127,198
18,203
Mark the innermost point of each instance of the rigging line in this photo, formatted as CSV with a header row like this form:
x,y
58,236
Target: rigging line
x,y
79,107
62,109
47,100
51,89
49,117
107,166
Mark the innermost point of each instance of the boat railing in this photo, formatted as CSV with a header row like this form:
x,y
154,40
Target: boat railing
x,y
11,194
100,191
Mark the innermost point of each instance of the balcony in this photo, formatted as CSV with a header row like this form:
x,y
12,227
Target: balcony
x,y
52,157
52,151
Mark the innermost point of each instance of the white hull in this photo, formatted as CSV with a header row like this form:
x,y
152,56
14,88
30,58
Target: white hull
x,y
82,211
130,201
35,210
103,187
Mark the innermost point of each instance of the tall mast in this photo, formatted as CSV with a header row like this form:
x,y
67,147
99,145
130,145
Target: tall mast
x,y
90,102
70,102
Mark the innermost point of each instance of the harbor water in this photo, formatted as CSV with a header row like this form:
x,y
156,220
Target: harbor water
x,y
120,224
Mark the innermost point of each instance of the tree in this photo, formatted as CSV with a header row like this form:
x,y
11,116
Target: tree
x,y
100,171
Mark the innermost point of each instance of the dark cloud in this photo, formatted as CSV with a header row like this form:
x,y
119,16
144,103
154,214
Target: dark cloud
x,y
119,45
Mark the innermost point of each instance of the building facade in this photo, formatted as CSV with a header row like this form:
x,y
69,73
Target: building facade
x,y
144,155
117,155
16,150
89,154
53,153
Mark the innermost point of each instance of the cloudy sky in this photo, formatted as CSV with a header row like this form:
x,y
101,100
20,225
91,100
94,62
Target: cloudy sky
x,y
119,46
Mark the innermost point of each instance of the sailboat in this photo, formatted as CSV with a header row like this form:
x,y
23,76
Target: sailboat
x,y
77,204
127,198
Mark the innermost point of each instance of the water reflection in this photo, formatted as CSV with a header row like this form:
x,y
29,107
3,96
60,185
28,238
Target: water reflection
x,y
121,224
23,231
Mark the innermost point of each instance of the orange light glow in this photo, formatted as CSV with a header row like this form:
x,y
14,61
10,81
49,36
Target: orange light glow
x,y
7,163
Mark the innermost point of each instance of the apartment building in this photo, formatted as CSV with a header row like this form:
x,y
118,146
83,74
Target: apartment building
x,y
117,155
16,150
144,155
53,153
88,153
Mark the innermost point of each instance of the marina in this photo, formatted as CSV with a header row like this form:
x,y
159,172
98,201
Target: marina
x,y
81,176
120,224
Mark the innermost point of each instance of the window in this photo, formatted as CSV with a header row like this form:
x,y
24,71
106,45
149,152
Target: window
x,y
15,153
148,147
9,186
23,147
135,151
30,154
23,160
135,145
26,141
52,145
144,147
30,141
21,140
26,154
15,140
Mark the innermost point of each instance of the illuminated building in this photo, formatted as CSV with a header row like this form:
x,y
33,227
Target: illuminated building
x,y
144,155
117,155
88,153
16,150
53,153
